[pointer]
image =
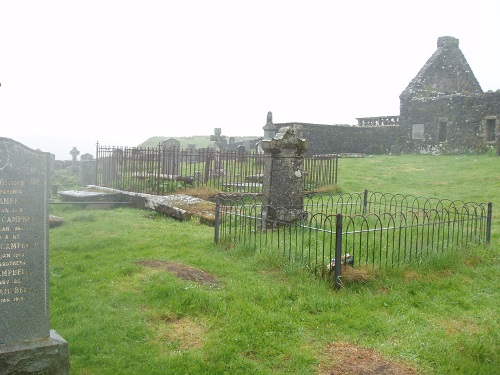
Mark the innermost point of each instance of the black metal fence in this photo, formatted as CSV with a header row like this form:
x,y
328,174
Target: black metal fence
x,y
374,229
160,171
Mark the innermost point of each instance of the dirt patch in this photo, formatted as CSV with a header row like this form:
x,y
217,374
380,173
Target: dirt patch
x,y
362,274
411,275
177,334
181,271
347,359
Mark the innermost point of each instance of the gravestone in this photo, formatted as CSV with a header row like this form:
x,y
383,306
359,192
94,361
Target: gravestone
x,y
27,345
241,154
269,128
220,144
283,181
219,139
192,153
171,151
88,171
74,162
171,143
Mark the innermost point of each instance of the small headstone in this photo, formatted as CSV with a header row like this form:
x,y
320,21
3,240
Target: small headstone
x,y
241,153
171,143
88,170
86,157
171,153
27,345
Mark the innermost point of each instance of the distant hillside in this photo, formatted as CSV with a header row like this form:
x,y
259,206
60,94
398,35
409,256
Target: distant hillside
x,y
200,141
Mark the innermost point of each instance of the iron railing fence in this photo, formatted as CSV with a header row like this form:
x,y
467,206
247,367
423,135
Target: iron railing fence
x,y
387,231
156,170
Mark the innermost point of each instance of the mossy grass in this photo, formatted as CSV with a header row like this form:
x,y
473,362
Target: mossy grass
x,y
260,315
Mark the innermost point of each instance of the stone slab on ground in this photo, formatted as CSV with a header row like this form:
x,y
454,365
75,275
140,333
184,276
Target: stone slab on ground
x,y
87,196
178,206
91,199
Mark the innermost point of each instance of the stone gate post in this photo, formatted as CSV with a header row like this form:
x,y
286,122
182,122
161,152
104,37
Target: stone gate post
x,y
283,183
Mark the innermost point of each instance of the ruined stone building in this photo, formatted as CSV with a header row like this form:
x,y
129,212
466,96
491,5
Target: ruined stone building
x,y
443,110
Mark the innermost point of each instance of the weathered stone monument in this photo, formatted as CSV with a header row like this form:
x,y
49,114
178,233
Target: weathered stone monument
x,y
220,142
283,182
219,139
269,128
88,172
74,162
171,151
27,345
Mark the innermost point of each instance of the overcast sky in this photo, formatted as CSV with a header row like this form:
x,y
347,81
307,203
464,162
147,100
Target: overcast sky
x,y
118,72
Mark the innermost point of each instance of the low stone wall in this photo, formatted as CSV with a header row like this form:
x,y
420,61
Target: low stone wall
x,y
336,139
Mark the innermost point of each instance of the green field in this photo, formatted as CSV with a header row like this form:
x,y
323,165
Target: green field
x,y
200,141
134,292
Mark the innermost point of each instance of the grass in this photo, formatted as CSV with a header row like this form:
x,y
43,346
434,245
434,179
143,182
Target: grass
x,y
439,316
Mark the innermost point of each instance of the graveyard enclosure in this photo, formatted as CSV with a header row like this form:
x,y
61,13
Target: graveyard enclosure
x,y
369,229
161,170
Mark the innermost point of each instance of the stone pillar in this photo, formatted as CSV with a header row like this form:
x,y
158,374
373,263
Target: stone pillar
x,y
283,183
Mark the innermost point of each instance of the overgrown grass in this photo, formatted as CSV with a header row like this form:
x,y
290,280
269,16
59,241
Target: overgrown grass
x,y
440,315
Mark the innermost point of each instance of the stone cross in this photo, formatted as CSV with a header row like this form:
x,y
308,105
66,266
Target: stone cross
x,y
74,153
219,139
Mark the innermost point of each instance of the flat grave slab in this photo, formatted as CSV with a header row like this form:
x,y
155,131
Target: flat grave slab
x,y
87,196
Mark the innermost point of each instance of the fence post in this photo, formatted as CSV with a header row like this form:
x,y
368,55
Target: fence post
x,y
336,168
96,163
158,168
365,200
217,213
488,222
338,252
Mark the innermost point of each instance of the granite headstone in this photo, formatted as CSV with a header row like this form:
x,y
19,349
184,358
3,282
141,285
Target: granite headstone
x,y
26,341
